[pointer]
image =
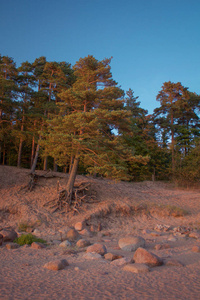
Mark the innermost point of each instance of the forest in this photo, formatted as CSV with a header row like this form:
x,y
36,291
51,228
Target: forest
x,y
77,119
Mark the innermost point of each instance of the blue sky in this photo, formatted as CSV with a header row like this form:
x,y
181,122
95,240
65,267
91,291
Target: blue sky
x,y
151,41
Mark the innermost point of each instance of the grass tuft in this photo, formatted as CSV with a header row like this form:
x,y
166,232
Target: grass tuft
x,y
28,239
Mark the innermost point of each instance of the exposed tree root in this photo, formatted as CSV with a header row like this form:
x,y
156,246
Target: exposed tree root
x,y
82,193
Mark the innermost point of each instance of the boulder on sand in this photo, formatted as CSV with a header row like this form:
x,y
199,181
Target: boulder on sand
x,y
131,243
142,256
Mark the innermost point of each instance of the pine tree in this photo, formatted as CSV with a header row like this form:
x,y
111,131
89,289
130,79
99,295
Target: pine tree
x,y
8,96
26,83
172,97
92,108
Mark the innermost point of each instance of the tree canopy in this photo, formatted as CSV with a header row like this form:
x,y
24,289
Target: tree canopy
x,y
78,119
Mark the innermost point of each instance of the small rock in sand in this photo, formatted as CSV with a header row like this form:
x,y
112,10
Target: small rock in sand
x,y
155,233
92,256
37,245
65,244
72,235
97,248
79,226
82,243
121,261
111,257
56,265
196,249
174,263
136,268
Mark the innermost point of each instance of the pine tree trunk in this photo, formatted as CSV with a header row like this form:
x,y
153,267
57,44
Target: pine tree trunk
x,y
65,169
35,159
45,164
72,177
19,153
4,156
173,142
55,166
33,150
71,163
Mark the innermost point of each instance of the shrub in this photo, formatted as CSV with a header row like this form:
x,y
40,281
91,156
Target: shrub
x,y
28,239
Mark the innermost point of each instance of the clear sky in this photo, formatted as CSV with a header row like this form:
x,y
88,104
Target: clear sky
x,y
151,41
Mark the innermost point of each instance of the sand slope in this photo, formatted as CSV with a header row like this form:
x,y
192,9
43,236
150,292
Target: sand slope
x,y
122,209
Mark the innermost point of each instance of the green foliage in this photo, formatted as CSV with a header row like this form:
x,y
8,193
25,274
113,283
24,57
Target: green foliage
x,y
28,239
90,110
188,167
49,109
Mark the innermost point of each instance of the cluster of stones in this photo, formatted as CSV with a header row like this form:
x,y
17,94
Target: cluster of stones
x,y
141,262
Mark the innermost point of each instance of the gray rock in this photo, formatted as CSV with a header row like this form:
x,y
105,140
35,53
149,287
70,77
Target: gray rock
x,y
131,243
